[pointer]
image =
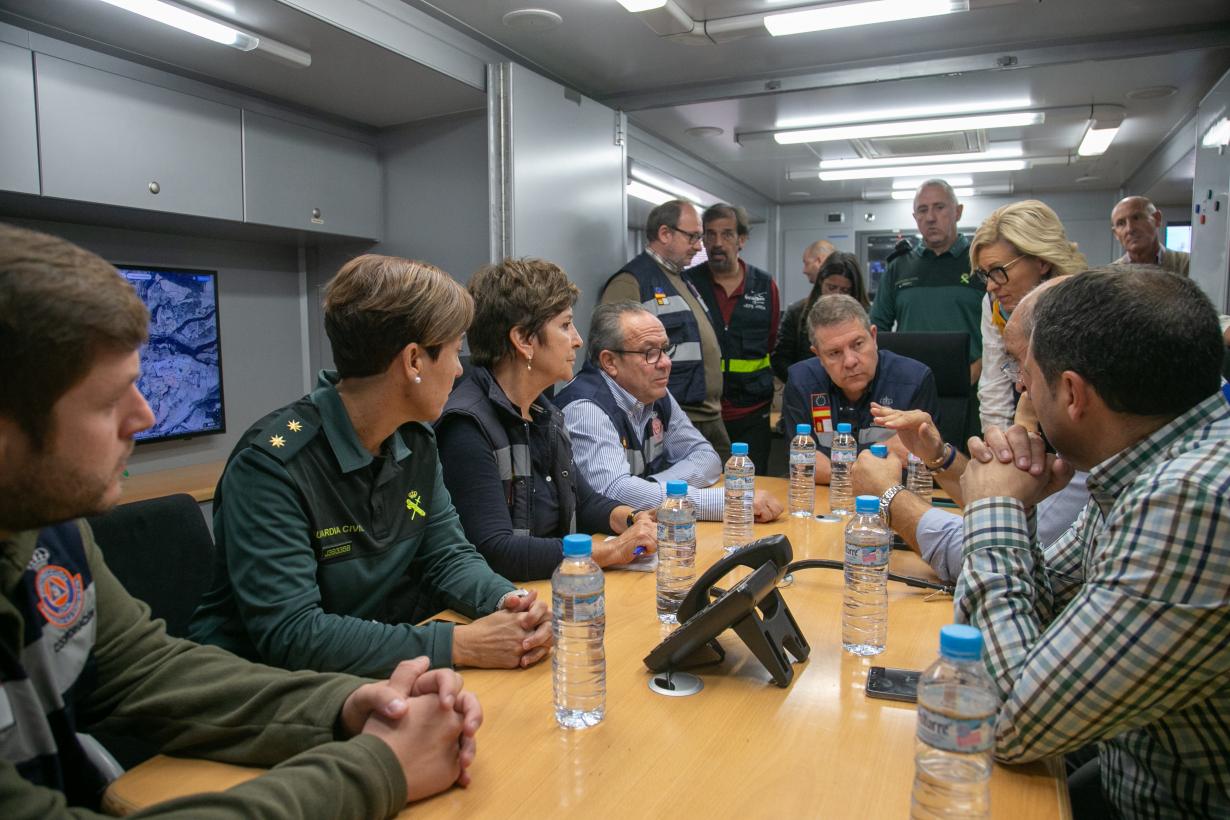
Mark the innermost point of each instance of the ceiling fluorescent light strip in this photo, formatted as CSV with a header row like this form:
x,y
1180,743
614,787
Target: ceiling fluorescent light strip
x,y
635,6
929,159
1217,135
679,190
844,15
648,193
905,128
189,21
925,170
915,112
911,185
1096,141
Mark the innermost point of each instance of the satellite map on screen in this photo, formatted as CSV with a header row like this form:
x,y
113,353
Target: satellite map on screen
x,y
181,371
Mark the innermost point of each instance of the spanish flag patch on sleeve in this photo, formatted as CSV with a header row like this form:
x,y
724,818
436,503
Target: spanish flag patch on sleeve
x,y
821,413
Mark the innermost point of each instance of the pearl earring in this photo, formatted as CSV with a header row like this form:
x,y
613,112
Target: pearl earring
x,y
418,379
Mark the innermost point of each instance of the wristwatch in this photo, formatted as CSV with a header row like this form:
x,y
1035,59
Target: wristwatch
x,y
631,518
886,501
520,592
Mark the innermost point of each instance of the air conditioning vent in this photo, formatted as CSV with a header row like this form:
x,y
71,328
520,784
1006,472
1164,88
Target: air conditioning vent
x,y
954,142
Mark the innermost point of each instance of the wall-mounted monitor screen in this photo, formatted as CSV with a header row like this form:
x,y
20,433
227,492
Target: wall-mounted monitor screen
x,y
181,365
1179,237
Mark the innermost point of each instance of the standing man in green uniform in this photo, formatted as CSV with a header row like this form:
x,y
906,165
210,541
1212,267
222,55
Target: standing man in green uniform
x,y
654,278
335,532
930,289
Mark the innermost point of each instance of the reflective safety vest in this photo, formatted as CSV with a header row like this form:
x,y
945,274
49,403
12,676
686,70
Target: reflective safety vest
x,y
659,297
643,448
747,378
479,397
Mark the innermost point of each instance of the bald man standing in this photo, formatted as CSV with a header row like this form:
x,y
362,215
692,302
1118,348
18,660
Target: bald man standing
x,y
1137,224
792,341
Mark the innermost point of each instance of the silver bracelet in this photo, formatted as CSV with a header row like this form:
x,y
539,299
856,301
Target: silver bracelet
x,y
886,501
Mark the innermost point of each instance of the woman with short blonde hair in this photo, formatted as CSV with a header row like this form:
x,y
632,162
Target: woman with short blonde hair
x,y
1015,249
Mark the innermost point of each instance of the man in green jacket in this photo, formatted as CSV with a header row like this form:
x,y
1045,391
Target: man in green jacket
x,y
78,654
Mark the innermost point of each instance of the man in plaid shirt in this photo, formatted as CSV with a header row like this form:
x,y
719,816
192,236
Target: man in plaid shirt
x,y
1119,632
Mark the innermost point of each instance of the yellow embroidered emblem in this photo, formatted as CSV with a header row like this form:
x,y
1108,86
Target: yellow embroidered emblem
x,y
412,504
294,425
277,441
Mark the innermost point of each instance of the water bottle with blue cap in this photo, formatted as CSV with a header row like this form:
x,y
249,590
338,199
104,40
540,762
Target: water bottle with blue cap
x,y
579,623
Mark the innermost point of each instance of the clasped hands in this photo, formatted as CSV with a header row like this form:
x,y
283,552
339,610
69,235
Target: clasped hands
x,y
1013,462
425,718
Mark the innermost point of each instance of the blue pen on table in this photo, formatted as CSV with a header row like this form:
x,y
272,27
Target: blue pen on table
x,y
638,551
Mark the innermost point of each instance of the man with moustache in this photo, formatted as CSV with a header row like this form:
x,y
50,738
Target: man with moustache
x,y
744,310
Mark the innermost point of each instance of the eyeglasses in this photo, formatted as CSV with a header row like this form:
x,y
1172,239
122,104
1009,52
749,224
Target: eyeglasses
x,y
692,236
652,355
1011,368
997,274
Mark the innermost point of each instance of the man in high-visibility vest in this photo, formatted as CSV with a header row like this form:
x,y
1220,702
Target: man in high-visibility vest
x,y
745,310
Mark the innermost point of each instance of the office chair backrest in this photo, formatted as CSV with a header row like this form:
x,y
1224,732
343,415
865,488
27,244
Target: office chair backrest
x,y
162,552
947,354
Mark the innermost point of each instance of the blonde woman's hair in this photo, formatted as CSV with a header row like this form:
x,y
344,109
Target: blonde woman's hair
x,y
1032,228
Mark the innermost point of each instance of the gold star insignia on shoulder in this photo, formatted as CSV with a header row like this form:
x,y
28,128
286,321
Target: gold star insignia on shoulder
x,y
294,425
277,441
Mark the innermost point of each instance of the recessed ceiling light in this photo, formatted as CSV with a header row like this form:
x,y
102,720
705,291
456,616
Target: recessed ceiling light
x,y
1087,178
532,20
937,109
1006,152
799,194
704,131
1153,92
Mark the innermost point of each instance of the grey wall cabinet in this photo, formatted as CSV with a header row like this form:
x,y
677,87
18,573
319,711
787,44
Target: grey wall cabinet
x,y
298,177
110,139
18,133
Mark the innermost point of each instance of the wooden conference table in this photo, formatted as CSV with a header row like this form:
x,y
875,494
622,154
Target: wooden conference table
x,y
741,747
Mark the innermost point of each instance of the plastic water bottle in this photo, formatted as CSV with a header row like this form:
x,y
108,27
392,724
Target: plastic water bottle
x,y
676,550
864,612
956,731
579,621
802,472
740,487
841,456
918,479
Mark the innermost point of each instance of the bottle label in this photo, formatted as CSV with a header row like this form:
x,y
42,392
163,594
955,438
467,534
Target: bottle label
x,y
867,555
678,533
954,734
842,456
586,608
804,457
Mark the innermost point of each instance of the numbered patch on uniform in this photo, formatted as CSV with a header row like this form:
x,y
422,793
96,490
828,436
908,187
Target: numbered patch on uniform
x,y
821,413
60,595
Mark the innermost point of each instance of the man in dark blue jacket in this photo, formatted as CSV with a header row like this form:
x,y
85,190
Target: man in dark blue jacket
x,y
846,376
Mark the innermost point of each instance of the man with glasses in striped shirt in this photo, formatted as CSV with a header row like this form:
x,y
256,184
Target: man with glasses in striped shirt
x,y
629,435
1119,632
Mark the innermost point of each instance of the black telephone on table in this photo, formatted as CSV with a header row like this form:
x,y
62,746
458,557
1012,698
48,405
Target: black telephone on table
x,y
753,607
